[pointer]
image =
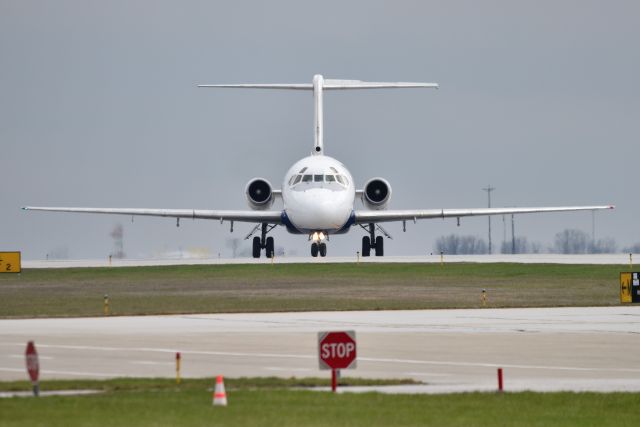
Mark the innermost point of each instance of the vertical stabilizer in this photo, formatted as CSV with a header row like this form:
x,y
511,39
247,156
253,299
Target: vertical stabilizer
x,y
318,127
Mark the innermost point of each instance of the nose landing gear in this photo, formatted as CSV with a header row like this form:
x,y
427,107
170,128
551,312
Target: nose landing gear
x,y
318,247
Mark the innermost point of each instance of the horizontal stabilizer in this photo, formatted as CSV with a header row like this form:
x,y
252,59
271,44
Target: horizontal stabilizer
x,y
328,85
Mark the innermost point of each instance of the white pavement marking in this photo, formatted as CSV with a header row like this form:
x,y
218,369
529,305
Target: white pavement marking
x,y
279,369
74,373
425,374
22,356
149,362
301,356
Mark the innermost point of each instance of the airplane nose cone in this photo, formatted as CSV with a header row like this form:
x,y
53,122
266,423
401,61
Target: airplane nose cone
x,y
317,211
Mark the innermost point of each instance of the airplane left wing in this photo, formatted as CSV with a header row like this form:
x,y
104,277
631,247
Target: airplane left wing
x,y
365,217
271,217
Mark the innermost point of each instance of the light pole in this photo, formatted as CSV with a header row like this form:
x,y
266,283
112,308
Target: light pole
x,y
489,189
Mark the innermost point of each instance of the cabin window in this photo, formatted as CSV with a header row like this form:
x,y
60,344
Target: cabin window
x,y
339,178
317,178
307,178
302,170
297,180
330,178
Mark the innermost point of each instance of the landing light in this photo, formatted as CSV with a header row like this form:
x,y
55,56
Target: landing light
x,y
321,236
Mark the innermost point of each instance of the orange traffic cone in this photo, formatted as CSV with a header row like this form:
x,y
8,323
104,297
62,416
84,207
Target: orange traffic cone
x,y
219,395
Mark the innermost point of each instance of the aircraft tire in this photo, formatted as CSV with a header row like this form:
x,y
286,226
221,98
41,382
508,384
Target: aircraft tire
x,y
256,247
270,247
379,246
314,250
323,249
366,246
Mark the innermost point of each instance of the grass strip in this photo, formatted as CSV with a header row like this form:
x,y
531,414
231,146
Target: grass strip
x,y
270,402
78,292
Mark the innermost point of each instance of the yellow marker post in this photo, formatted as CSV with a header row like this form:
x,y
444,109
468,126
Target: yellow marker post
x,y
630,261
483,298
273,257
358,257
178,368
441,259
10,262
106,305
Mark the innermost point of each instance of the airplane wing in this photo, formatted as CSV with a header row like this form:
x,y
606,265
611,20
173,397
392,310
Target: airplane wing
x,y
365,217
271,217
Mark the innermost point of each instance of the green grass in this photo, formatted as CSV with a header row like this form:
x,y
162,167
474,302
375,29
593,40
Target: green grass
x,y
150,404
303,287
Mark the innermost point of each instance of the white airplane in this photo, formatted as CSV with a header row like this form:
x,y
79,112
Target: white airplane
x,y
318,192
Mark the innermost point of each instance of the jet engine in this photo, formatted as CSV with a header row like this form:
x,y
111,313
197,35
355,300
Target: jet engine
x,y
259,194
376,194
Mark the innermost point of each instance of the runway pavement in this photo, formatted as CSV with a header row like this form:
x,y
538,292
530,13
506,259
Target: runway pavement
x,y
451,350
431,258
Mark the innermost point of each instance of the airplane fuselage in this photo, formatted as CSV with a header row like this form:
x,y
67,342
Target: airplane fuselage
x,y
318,195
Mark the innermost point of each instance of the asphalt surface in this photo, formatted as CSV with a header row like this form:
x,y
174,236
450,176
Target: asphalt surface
x,y
541,349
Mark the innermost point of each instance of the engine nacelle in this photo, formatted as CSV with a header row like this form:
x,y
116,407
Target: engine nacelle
x,y
259,194
376,194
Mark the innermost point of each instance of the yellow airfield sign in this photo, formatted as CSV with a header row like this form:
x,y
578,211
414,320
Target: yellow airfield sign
x,y
10,262
625,287
630,287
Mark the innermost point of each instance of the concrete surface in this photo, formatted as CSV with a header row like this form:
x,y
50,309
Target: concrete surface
x,y
451,350
433,258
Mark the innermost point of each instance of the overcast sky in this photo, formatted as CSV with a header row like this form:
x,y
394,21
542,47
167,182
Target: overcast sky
x,y
99,107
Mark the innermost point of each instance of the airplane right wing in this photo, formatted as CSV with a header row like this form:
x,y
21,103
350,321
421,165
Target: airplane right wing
x,y
271,217
366,216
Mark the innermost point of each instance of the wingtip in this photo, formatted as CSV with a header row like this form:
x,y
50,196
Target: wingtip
x,y
25,208
612,206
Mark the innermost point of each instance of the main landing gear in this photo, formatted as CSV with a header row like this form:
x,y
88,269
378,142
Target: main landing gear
x,y
372,242
264,242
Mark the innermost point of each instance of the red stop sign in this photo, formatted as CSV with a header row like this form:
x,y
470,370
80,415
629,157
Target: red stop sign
x,y
337,350
32,362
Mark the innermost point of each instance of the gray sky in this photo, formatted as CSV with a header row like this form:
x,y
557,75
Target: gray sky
x,y
98,107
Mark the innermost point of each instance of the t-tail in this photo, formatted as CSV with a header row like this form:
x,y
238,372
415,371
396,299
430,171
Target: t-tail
x,y
318,86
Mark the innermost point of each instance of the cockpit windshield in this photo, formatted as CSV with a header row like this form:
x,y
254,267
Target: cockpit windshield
x,y
333,181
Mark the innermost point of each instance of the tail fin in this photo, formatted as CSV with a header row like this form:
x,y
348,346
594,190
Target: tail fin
x,y
319,83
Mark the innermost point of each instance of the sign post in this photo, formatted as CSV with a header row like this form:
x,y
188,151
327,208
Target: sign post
x,y
33,367
337,350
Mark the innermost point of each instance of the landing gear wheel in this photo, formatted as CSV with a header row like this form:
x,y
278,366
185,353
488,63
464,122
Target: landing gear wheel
x,y
379,246
256,247
366,246
323,249
314,249
269,251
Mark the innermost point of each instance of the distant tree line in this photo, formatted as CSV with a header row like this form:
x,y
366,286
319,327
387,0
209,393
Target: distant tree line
x,y
461,245
568,241
635,248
